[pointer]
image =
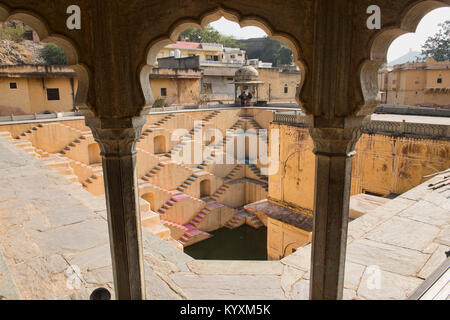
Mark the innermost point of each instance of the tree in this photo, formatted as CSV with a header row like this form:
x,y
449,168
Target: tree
x,y
53,55
271,51
210,35
437,46
284,56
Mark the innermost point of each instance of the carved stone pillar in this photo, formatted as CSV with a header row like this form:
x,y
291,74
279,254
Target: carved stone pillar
x,y
334,149
117,139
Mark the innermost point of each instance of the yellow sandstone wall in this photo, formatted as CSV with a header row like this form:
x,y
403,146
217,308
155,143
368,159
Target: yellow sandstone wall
x,y
383,165
179,91
274,84
283,239
31,94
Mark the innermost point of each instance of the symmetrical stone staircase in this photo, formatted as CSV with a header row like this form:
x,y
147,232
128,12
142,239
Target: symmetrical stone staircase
x,y
193,236
237,221
145,133
62,165
233,173
253,124
149,175
188,182
253,221
169,204
164,120
200,216
71,146
258,173
23,144
177,230
215,197
30,131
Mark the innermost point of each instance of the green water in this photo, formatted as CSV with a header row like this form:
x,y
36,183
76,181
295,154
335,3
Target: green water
x,y
243,243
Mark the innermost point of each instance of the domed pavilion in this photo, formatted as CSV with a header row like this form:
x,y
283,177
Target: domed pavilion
x,y
246,79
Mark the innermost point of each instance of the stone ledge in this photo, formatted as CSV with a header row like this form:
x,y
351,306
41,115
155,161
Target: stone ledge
x,y
216,267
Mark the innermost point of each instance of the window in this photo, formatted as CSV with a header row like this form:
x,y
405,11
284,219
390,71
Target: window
x,y
233,56
52,94
230,79
240,55
13,85
417,82
163,92
439,80
286,89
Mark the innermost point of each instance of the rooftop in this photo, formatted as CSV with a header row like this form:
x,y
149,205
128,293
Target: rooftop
x,y
36,71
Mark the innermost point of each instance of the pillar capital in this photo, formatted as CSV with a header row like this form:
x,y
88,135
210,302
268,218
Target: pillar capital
x,y
117,137
337,137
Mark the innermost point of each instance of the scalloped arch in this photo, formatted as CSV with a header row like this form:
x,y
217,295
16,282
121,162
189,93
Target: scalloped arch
x,y
39,25
380,44
244,21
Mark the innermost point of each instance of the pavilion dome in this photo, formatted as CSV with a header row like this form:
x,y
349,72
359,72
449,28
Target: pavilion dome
x,y
246,73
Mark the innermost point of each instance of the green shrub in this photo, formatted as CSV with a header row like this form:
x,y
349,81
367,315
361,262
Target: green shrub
x,y
160,103
53,55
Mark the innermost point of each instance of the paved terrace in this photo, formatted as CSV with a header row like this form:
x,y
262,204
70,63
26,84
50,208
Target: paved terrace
x,y
48,224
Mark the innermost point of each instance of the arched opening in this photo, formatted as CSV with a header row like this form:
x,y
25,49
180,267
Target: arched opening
x,y
159,144
389,47
205,188
150,198
223,89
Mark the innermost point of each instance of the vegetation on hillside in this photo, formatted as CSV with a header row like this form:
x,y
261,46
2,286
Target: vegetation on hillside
x,y
12,32
16,50
268,50
438,46
210,35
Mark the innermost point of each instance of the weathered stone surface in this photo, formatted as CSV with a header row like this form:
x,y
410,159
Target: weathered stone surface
x,y
99,276
436,259
8,289
353,274
301,259
359,227
158,289
300,290
46,229
391,286
232,287
390,258
428,212
164,252
73,238
289,278
91,259
444,236
236,267
404,233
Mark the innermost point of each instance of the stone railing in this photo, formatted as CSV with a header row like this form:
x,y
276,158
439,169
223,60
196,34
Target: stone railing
x,y
388,127
407,128
297,119
38,116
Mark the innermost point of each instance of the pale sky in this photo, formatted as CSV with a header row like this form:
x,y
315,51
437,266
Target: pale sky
x,y
427,27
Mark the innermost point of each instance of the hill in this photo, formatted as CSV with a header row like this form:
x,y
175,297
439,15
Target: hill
x,y
411,56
